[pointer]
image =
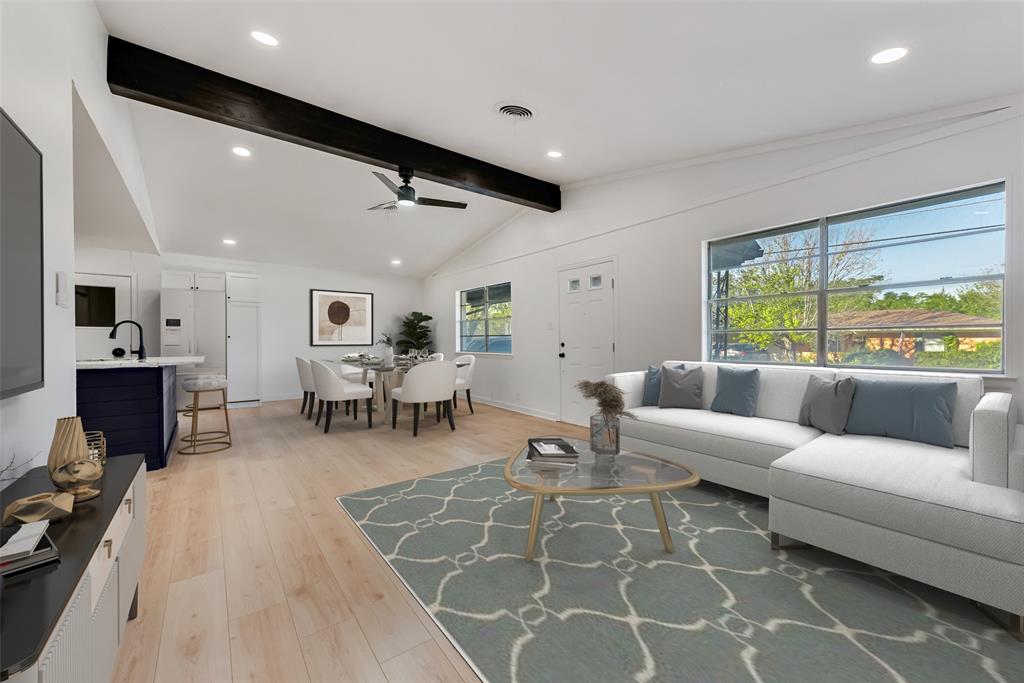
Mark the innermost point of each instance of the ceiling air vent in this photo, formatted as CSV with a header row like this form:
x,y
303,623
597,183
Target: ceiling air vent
x,y
516,112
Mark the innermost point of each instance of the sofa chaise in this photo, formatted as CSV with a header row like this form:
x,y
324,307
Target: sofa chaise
x,y
949,517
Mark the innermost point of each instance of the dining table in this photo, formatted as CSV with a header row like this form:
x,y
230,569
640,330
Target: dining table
x,y
387,374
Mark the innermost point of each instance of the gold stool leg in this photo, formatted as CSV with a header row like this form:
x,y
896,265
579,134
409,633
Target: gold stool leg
x,y
192,411
200,442
227,422
531,537
659,514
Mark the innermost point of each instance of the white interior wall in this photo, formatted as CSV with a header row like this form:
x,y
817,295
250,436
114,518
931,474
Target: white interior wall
x,y
46,49
285,304
656,223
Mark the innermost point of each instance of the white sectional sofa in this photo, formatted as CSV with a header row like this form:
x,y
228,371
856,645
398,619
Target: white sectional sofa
x,y
952,518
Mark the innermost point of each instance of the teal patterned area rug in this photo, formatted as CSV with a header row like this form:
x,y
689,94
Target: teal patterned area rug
x,y
604,602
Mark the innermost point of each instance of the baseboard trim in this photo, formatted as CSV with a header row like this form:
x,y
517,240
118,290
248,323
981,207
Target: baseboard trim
x,y
516,408
244,404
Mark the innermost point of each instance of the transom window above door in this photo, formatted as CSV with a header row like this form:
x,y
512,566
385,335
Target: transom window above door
x,y
485,319
917,284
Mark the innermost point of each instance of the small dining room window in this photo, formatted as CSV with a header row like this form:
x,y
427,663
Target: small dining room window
x,y
485,319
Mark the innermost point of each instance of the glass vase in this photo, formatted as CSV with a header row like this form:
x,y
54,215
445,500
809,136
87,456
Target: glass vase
x,y
604,435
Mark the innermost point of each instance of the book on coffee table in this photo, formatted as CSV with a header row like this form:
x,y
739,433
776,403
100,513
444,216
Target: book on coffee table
x,y
551,449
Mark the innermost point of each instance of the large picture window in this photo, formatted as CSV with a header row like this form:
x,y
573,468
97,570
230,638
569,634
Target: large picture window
x,y
485,319
916,285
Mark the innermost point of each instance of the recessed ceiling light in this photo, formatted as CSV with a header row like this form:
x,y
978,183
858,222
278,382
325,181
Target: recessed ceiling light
x,y
555,154
230,242
890,55
396,262
265,38
241,151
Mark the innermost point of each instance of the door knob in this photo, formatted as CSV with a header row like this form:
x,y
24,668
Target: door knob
x,y
562,354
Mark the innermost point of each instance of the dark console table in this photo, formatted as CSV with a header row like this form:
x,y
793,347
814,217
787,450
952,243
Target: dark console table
x,y
70,615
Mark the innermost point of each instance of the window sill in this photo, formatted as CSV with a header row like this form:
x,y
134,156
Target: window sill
x,y
489,354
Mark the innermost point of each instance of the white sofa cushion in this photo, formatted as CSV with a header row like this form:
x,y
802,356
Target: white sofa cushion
x,y
751,440
918,489
969,390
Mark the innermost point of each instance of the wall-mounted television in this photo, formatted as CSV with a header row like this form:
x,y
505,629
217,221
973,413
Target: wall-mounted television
x,y
21,261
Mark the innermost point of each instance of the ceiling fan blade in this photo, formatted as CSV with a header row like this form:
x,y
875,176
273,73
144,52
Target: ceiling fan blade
x,y
384,206
443,203
387,181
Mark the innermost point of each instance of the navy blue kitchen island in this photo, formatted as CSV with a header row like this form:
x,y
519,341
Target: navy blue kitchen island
x,y
133,403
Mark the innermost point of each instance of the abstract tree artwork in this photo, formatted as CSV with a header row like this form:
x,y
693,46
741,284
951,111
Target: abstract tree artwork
x,y
340,318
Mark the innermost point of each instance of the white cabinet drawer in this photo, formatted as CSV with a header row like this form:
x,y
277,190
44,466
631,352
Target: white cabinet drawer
x,y
106,554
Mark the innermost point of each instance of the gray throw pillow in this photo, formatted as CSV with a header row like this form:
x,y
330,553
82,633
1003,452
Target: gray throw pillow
x,y
826,404
681,388
915,411
652,385
737,391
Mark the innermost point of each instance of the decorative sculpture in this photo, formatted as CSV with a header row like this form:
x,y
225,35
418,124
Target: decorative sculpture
x,y
50,505
69,462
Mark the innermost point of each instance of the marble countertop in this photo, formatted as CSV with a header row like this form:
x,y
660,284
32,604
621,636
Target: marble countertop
x,y
150,362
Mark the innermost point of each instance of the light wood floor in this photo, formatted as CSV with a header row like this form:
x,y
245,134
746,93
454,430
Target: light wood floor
x,y
254,573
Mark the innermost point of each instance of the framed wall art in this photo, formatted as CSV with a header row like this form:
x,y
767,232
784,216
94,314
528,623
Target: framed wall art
x,y
340,318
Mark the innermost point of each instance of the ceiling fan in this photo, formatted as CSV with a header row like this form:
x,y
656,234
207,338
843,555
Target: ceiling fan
x,y
406,195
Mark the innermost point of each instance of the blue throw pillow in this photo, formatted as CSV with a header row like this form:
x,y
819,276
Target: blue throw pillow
x,y
652,385
737,391
915,411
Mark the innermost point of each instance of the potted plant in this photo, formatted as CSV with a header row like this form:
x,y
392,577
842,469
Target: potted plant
x,y
415,334
604,424
389,351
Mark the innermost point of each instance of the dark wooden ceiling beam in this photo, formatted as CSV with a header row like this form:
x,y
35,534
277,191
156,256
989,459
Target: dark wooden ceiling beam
x,y
142,74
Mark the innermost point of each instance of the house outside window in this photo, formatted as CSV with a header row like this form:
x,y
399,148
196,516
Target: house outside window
x,y
485,319
913,285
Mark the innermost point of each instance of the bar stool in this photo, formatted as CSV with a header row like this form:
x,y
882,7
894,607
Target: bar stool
x,y
211,441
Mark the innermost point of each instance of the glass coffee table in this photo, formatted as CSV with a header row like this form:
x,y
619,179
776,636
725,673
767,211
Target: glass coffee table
x,y
597,475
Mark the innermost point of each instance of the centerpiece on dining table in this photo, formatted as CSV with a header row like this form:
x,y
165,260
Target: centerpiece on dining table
x,y
389,347
604,424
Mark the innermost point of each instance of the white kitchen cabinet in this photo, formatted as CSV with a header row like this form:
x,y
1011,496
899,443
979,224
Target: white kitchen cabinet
x,y
209,282
243,287
176,279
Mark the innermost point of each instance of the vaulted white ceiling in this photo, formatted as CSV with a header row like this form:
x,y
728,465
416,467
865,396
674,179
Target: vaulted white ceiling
x,y
615,86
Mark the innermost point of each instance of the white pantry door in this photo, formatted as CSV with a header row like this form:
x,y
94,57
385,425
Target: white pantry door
x,y
586,323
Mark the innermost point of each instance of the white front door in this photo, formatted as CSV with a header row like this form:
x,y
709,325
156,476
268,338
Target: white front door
x,y
587,333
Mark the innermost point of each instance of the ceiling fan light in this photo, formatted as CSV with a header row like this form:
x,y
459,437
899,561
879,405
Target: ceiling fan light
x,y
406,202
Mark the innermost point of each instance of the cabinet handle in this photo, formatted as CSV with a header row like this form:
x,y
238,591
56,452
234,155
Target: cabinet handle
x,y
128,503
109,545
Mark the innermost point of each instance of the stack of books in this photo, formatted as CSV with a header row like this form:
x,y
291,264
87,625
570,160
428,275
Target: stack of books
x,y
552,451
26,546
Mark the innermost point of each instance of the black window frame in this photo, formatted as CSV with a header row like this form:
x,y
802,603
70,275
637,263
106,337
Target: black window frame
x,y
484,306
822,288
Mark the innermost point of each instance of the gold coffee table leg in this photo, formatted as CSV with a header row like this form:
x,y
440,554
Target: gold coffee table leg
x,y
659,514
531,538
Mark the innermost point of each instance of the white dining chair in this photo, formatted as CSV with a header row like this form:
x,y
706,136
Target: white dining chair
x,y
308,386
423,384
331,389
464,379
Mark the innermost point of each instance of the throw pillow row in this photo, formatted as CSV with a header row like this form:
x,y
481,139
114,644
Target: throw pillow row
x,y
914,411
